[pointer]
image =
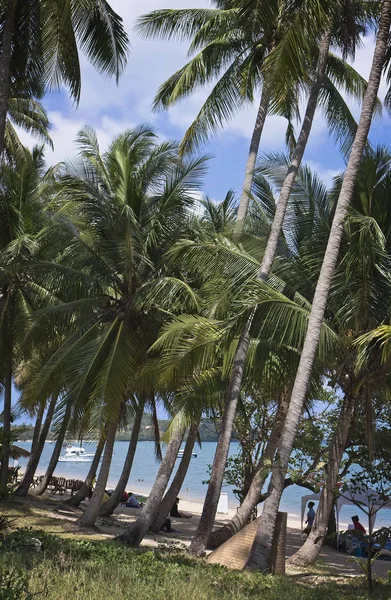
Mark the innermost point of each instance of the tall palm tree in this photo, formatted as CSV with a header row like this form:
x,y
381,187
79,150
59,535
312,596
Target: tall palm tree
x,y
24,193
260,553
136,532
360,300
127,206
111,504
41,41
236,44
319,82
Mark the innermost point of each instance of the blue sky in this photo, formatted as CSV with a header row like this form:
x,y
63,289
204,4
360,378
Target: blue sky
x,y
110,109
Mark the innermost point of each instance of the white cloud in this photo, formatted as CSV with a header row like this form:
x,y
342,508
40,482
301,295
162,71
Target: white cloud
x,y
326,175
64,130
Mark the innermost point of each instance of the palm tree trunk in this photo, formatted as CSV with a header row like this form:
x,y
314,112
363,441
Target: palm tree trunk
x,y
205,525
32,465
174,489
252,156
56,452
5,448
37,427
309,551
111,504
92,511
297,157
5,64
84,490
198,545
136,533
254,494
260,553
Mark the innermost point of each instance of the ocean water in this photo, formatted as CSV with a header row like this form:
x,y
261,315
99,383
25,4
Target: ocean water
x,y
145,468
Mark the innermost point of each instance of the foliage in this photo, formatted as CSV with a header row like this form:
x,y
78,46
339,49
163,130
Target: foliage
x,y
14,585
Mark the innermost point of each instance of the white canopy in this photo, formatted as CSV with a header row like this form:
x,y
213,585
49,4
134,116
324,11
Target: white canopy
x,y
367,498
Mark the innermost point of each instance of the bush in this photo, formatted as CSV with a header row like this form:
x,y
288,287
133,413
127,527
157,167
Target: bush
x,y
14,585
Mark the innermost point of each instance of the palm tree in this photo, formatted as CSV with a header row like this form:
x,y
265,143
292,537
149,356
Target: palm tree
x,y
111,504
319,82
91,475
24,191
221,104
41,488
170,496
360,300
40,41
24,486
235,43
136,532
128,206
260,553
30,115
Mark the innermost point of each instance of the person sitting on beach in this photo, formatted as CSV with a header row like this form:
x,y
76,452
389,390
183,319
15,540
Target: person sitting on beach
x,y
125,497
357,524
167,526
132,501
310,518
175,513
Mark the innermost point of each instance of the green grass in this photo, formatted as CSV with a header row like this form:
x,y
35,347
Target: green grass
x,y
85,570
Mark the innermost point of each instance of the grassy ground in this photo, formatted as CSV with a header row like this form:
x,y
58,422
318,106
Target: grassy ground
x,y
80,569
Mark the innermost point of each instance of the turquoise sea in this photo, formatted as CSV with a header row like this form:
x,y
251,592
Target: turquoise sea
x,y
145,468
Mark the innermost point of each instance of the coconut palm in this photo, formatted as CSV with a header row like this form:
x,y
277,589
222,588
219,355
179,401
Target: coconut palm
x,y
273,40
247,48
128,206
41,40
136,532
25,190
261,549
30,115
362,301
360,292
111,504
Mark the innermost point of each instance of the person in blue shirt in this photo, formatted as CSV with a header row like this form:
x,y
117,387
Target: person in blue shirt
x,y
310,517
132,501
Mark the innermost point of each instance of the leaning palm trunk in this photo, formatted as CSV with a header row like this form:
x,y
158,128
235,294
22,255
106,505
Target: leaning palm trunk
x,y
260,553
200,541
174,489
32,465
5,63
136,533
252,156
92,511
253,496
84,490
37,427
111,504
56,452
6,441
309,551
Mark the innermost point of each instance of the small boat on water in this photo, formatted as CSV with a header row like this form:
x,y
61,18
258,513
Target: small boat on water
x,y
180,454
75,454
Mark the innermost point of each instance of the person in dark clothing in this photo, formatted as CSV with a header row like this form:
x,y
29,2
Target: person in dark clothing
x,y
174,512
167,526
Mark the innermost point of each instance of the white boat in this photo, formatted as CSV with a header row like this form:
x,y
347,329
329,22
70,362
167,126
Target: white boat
x,y
180,454
76,454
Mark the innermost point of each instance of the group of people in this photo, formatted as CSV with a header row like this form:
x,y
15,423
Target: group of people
x,y
357,526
